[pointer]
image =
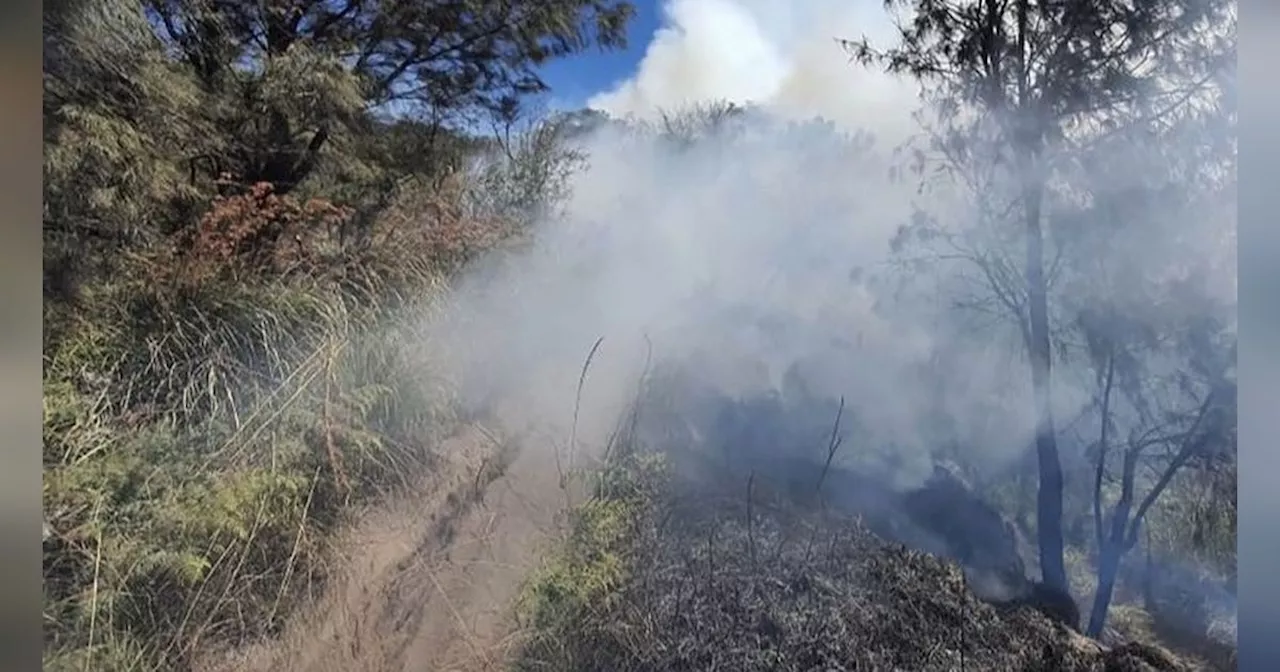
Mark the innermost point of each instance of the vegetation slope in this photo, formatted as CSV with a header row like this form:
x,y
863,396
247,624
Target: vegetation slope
x,y
249,208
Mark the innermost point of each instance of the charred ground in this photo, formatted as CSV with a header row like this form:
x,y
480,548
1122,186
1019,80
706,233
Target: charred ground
x,y
745,580
700,552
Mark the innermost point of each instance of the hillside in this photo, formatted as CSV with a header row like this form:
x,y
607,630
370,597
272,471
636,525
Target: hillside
x,y
477,568
725,582
320,276
687,558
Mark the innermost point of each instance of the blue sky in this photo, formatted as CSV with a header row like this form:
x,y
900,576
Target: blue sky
x,y
573,80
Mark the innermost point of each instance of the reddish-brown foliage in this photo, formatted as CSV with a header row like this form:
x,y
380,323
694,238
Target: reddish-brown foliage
x,y
434,223
257,233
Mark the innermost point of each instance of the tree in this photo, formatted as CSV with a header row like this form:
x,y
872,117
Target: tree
x,y
154,107
1205,434
114,109
1159,339
295,72
1017,87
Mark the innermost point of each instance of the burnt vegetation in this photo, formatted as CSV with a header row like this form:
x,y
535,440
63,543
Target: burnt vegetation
x,y
750,580
701,553
250,206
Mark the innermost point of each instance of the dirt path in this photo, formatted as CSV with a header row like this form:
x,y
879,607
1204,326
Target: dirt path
x,y
430,580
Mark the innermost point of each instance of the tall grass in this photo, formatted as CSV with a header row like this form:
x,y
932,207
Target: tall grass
x,y
212,410
205,424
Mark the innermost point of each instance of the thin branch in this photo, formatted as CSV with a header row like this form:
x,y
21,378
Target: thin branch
x,y
1103,445
1149,119
577,404
1193,443
832,446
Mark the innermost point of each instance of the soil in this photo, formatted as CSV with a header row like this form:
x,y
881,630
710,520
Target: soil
x,y
427,582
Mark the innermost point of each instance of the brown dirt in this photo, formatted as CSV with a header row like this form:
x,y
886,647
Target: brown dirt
x,y
427,582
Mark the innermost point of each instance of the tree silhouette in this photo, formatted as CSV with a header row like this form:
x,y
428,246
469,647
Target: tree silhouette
x,y
1017,88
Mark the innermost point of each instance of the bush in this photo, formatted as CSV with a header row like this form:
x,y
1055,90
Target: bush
x,y
567,604
207,418
216,401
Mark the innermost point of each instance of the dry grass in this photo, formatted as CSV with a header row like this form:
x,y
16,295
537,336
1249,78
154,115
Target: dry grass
x,y
681,579
689,569
203,519
210,415
389,565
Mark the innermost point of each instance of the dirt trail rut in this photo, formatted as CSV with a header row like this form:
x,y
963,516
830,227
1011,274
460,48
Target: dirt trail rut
x,y
429,581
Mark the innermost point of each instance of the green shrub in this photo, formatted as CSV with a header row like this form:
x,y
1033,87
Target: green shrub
x,y
570,597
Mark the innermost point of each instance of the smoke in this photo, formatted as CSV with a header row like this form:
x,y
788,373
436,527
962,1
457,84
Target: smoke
x,y
784,56
765,250
744,256
766,254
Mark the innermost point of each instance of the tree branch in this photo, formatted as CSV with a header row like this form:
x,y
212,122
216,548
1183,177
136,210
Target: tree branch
x,y
1103,445
1192,444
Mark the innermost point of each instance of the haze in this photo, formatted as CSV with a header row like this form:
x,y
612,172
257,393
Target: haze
x,y
769,247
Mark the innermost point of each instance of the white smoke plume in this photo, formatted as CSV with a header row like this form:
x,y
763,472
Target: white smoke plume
x,y
766,257
768,250
781,55
745,257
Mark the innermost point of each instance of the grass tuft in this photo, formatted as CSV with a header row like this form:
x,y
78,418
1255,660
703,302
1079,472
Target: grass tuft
x,y
205,431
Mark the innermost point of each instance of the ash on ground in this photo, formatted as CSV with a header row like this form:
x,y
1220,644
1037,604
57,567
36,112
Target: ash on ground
x,y
723,581
763,556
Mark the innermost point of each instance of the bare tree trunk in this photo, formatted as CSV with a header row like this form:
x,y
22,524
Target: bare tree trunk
x,y
1028,140
1113,545
1050,493
1109,553
1108,569
1126,523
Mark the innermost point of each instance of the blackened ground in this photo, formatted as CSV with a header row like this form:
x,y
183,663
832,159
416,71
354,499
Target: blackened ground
x,y
731,582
